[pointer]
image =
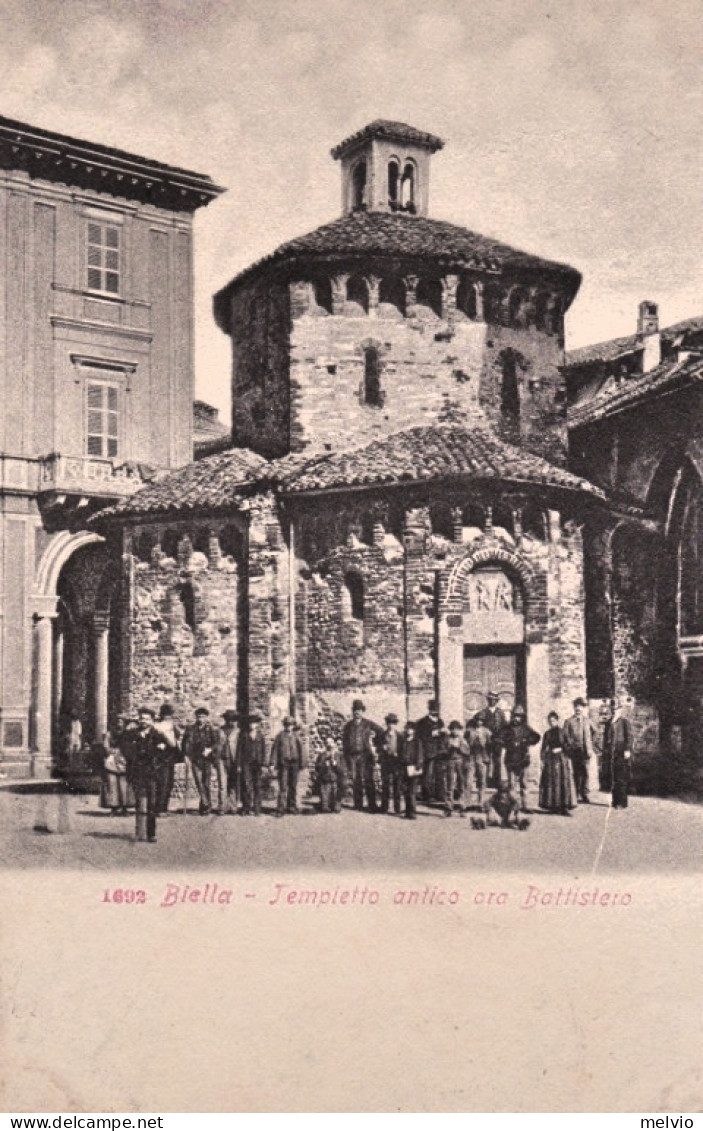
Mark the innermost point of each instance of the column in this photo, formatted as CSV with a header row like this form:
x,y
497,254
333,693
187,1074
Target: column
x,y
43,638
101,627
57,684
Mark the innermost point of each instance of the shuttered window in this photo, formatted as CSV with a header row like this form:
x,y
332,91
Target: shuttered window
x,y
103,258
102,420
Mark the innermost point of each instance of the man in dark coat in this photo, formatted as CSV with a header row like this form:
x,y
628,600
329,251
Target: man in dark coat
x,y
617,752
579,740
360,739
392,749
495,720
199,742
251,755
287,762
146,767
515,740
432,738
227,756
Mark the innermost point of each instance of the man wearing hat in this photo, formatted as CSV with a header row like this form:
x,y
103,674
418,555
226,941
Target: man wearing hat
x,y
226,749
432,738
287,762
360,738
392,750
515,741
495,720
145,774
199,741
579,739
251,755
168,739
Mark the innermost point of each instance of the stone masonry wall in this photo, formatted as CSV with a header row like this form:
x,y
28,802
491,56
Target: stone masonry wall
x,y
431,369
188,667
389,657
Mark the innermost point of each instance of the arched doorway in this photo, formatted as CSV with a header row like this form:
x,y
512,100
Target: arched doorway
x,y
482,634
78,647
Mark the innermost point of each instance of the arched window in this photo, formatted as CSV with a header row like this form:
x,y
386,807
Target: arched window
x,y
353,596
322,289
534,522
473,516
391,292
510,390
359,186
373,394
466,298
515,307
358,292
541,305
186,595
442,520
169,543
503,517
393,185
408,187
429,295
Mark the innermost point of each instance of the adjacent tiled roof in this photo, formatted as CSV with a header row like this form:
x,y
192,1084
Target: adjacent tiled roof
x,y
418,455
440,451
381,127
614,397
603,351
210,482
620,347
367,234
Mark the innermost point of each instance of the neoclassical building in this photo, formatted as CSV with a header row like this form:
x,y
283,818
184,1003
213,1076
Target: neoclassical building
x,y
396,519
96,399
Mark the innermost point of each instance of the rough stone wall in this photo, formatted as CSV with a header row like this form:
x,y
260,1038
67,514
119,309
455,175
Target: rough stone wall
x,y
171,661
390,658
259,330
431,369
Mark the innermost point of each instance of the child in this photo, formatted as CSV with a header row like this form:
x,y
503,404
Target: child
x,y
327,772
455,752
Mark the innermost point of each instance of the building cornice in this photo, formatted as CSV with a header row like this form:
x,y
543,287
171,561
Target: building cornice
x,y
48,156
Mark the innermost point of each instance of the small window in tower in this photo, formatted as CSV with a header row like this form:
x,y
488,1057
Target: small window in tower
x,y
353,596
373,394
186,594
408,187
393,185
510,390
359,186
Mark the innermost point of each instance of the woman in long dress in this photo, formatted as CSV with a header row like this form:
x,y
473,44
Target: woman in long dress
x,y
556,787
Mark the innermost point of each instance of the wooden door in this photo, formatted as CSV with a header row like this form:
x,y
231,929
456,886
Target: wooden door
x,y
491,669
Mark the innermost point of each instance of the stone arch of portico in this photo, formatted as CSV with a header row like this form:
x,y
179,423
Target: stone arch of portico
x,y
60,549
48,642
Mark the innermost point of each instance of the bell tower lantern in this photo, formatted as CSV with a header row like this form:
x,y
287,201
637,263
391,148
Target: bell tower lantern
x,y
386,168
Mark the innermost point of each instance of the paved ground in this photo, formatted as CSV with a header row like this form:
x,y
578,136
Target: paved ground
x,y
43,827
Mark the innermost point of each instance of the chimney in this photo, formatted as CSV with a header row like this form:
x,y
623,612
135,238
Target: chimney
x,y
648,333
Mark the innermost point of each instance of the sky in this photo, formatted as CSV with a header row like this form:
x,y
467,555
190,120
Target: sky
x,y
572,129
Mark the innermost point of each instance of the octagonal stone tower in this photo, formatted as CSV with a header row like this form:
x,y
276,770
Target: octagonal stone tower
x,y
386,319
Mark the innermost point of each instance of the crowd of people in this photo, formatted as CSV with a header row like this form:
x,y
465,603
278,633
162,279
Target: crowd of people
x,y
482,764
